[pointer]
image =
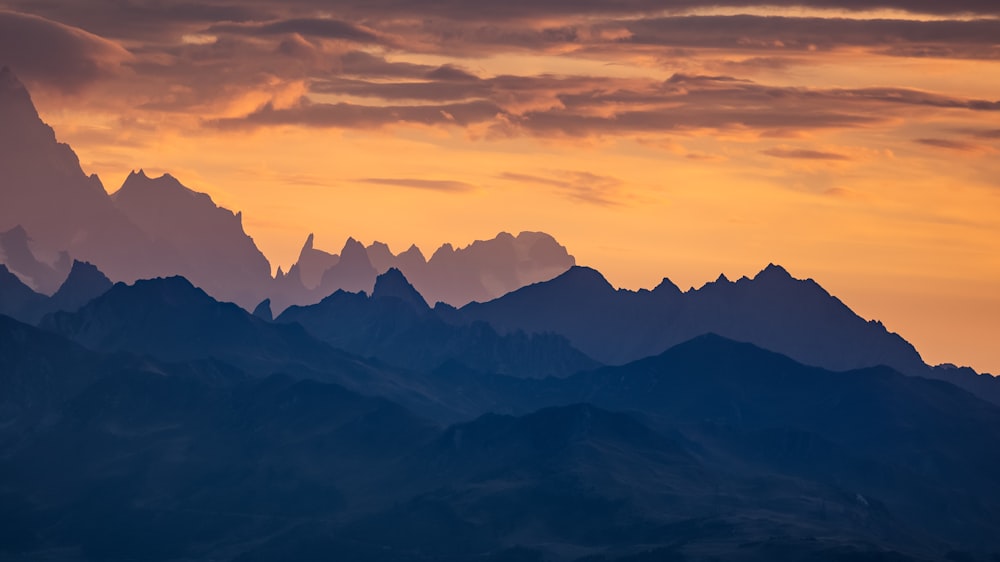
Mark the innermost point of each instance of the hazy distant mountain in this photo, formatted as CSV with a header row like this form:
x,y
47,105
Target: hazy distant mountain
x,y
487,269
312,264
150,227
20,258
484,270
195,238
45,191
353,271
396,326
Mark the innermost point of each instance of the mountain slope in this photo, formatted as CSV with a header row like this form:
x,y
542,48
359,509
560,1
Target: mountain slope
x,y
84,283
197,239
17,300
396,326
45,191
773,310
481,271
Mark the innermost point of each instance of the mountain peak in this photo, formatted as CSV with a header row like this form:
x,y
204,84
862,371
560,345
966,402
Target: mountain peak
x,y
263,310
584,278
307,246
667,287
414,252
84,283
140,180
773,273
354,251
393,284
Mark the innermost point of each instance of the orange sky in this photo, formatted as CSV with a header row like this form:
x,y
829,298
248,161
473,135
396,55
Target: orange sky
x,y
857,148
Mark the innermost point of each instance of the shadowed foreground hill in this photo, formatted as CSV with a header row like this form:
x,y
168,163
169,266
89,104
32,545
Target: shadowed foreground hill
x,y
726,452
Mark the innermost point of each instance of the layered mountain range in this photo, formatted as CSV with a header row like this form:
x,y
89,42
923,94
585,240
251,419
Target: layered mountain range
x,y
533,412
155,227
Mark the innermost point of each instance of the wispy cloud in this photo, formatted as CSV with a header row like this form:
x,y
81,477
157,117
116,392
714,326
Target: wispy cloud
x,y
414,183
581,186
803,154
950,144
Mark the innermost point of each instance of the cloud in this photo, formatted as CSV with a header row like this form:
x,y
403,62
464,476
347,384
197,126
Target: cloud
x,y
581,106
798,153
347,115
968,38
324,28
55,55
431,185
950,144
986,133
581,186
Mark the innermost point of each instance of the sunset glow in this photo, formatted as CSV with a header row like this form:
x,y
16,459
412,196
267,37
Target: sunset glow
x,y
858,148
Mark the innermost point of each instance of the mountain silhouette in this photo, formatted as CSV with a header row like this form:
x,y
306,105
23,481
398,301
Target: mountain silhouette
x,y
483,270
84,283
196,239
312,264
47,193
393,285
169,319
773,310
728,451
18,300
873,415
17,254
172,320
353,271
263,310
396,326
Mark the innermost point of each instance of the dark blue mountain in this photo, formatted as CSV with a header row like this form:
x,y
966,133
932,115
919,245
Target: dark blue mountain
x,y
396,326
84,283
797,318
728,452
18,300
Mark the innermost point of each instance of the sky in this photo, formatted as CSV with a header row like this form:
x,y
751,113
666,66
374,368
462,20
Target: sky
x,y
853,142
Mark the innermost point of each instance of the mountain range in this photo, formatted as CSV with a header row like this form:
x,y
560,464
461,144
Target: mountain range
x,y
712,450
157,227
533,412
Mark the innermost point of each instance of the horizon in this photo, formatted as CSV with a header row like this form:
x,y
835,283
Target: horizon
x,y
865,163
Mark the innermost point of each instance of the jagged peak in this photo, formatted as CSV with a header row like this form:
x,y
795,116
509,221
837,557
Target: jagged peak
x,y
263,310
353,247
310,240
84,267
667,286
415,251
773,272
393,284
